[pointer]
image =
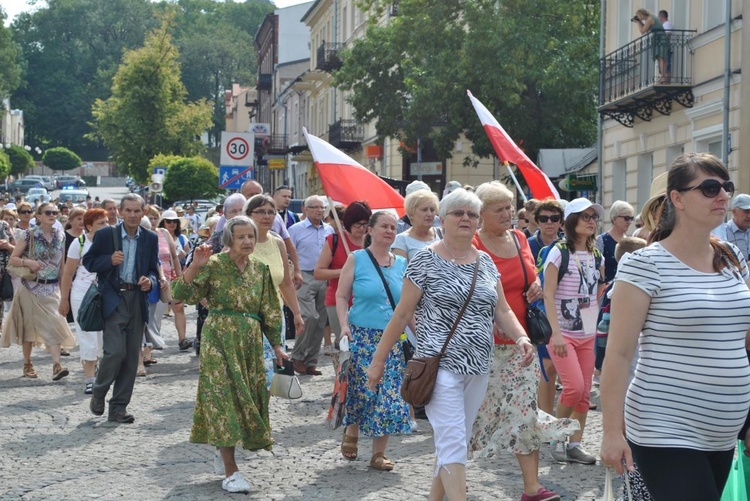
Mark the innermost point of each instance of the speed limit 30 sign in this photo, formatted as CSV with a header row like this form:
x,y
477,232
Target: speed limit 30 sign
x,y
237,148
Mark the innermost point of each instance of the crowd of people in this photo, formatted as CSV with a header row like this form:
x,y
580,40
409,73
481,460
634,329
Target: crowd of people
x,y
661,325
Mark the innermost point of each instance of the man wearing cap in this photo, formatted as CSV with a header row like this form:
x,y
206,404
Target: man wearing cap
x,y
737,229
404,223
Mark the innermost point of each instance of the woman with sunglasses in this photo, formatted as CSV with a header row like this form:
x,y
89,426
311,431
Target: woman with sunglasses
x,y
25,214
621,216
572,312
686,298
33,319
548,216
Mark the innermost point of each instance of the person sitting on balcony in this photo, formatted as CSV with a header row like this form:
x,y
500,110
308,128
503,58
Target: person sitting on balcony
x,y
648,23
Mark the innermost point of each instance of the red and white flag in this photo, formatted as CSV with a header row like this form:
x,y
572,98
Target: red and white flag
x,y
507,151
346,181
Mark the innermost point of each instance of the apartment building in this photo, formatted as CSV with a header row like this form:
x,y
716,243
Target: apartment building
x,y
650,117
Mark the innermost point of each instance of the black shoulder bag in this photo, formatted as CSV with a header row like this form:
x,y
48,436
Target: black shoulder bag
x,y
537,325
90,316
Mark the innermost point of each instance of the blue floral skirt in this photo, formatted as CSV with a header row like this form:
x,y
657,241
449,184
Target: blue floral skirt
x,y
382,412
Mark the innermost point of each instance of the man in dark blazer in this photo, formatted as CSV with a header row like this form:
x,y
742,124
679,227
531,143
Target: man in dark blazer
x,y
125,259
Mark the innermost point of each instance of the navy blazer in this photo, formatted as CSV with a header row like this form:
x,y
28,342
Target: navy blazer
x,y
98,260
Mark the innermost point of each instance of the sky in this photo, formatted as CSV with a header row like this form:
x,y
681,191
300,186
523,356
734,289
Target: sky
x,y
14,7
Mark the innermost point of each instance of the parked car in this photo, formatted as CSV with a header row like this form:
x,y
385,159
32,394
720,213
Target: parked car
x,y
78,196
70,181
45,180
35,194
24,185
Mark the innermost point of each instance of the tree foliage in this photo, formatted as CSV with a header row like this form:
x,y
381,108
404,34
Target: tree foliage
x,y
190,178
10,69
20,160
60,158
533,64
5,165
147,113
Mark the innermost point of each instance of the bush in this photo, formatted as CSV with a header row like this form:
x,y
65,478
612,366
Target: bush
x,y
61,159
20,160
189,178
5,165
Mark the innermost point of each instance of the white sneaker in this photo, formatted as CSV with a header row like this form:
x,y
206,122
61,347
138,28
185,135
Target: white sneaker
x,y
235,483
414,426
218,463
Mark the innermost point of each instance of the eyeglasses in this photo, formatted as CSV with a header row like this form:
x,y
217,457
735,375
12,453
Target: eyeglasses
x,y
588,217
233,211
554,218
170,221
628,219
264,212
711,188
311,207
359,225
460,213
24,212
51,212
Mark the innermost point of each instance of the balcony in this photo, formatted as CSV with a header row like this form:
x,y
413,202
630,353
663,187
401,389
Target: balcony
x,y
277,144
328,58
346,134
631,86
265,81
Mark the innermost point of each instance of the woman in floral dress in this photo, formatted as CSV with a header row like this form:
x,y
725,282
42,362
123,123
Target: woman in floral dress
x,y
232,402
381,413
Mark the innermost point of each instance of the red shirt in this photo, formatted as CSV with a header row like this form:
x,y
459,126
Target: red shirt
x,y
511,276
338,260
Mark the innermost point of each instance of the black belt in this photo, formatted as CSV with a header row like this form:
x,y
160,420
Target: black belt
x,y
308,271
46,280
128,287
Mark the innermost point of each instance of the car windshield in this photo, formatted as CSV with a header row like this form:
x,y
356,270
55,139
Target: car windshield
x,y
33,191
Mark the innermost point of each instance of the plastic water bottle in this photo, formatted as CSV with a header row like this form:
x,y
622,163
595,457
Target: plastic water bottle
x,y
604,324
344,344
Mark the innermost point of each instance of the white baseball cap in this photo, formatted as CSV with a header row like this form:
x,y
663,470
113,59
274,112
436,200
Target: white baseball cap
x,y
416,186
740,201
580,205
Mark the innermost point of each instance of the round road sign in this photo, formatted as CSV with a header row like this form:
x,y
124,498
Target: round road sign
x,y
237,148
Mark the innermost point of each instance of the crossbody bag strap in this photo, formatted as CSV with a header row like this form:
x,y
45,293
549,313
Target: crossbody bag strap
x,y
382,277
520,257
463,308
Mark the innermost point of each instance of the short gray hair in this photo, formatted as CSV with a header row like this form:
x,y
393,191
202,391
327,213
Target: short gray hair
x,y
316,198
234,199
227,236
493,192
619,208
131,197
459,198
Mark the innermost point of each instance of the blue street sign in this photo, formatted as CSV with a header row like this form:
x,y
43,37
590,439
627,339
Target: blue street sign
x,y
232,177
160,170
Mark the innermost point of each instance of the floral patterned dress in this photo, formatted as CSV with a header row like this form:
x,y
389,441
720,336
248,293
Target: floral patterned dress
x,y
232,402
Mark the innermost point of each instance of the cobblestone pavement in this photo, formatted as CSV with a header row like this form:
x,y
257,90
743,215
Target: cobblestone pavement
x,y
53,448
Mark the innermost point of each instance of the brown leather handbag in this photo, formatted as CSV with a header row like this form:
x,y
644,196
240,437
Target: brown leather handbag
x,y
421,372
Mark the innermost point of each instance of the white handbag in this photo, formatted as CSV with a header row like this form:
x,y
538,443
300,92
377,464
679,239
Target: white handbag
x,y
284,386
609,488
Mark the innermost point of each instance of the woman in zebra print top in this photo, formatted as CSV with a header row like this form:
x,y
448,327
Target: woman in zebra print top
x,y
436,284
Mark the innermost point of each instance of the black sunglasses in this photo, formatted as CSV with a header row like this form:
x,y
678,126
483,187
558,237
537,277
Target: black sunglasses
x,y
25,212
628,219
51,213
554,218
711,187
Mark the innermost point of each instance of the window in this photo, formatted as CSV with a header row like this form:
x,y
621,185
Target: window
x,y
714,148
625,28
619,180
713,14
679,16
645,176
674,152
344,31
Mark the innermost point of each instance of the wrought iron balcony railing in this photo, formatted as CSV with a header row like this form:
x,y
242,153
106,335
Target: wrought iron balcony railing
x,y
265,81
328,56
346,134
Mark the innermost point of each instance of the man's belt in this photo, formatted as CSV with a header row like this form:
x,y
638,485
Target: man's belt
x,y
129,287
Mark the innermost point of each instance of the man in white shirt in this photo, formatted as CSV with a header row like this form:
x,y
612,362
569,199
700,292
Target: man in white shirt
x,y
737,229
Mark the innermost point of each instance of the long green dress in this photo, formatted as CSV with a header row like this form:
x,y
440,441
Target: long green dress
x,y
232,403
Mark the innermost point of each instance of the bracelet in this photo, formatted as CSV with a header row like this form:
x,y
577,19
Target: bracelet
x,y
518,341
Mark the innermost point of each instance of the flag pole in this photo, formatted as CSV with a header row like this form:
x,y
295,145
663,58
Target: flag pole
x,y
518,186
338,226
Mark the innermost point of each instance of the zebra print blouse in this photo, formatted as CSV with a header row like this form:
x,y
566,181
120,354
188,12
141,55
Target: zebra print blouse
x,y
444,287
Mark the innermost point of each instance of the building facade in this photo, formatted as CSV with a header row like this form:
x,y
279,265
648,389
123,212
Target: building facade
x,y
652,116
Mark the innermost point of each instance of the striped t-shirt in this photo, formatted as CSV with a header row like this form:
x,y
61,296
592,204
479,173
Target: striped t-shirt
x,y
575,292
692,384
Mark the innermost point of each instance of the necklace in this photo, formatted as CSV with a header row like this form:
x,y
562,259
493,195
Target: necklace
x,y
453,258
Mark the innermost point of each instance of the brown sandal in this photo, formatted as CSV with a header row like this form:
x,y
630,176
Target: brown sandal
x,y
380,462
28,370
349,447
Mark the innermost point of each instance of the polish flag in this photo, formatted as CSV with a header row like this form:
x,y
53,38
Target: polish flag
x,y
346,181
540,185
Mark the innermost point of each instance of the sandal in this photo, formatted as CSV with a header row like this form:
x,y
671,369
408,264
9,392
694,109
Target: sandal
x,y
349,447
149,361
185,345
28,370
380,462
141,372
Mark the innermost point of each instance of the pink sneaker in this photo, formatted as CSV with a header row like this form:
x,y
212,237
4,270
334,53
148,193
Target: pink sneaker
x,y
542,494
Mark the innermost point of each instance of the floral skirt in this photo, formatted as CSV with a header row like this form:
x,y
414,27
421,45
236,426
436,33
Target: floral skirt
x,y
382,412
509,418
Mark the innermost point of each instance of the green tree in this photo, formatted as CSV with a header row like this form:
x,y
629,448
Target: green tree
x,y
161,160
10,69
20,160
533,64
71,50
190,178
60,158
147,113
5,165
